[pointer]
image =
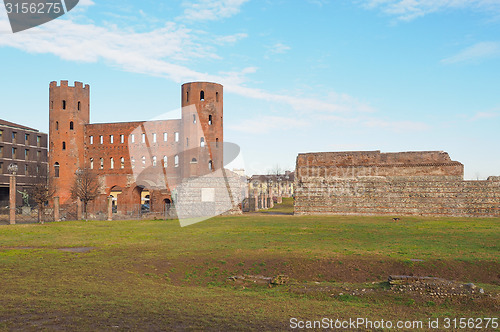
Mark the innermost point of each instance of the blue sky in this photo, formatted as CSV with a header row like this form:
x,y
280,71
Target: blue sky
x,y
298,76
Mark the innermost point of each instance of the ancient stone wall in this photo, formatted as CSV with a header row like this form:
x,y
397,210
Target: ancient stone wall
x,y
374,183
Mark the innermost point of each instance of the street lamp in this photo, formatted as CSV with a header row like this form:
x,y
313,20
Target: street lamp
x,y
12,169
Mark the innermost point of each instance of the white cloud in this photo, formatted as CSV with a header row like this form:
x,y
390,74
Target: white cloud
x,y
486,115
160,52
86,3
411,9
209,10
279,48
475,52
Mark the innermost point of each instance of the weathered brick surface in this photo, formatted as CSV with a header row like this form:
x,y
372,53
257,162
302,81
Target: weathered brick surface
x,y
80,146
374,183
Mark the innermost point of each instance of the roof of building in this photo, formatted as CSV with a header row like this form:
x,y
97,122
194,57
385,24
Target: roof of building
x,y
288,176
15,125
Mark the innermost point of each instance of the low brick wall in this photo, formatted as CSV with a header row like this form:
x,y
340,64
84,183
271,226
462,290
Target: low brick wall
x,y
346,188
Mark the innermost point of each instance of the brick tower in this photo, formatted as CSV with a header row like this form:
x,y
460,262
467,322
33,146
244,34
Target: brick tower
x,y
69,112
202,128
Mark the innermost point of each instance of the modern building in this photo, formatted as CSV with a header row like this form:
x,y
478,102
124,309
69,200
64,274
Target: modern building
x,y
280,184
27,149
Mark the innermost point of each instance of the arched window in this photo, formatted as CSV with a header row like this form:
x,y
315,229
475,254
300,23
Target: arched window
x,y
101,165
56,170
165,161
202,95
210,165
216,142
194,161
154,161
194,118
111,163
79,105
187,141
132,162
176,136
71,126
122,162
57,125
210,120
217,97
51,104
64,146
91,163
64,104
165,137
202,142
187,95
143,160
176,161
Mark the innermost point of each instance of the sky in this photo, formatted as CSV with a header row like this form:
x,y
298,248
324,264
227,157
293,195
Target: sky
x,y
299,76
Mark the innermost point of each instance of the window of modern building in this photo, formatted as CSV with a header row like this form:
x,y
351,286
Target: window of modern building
x,y
111,139
101,163
26,154
71,125
27,139
1,135
38,141
176,161
56,170
14,134
122,138
165,137
1,168
1,151
122,162
26,170
37,169
14,153
111,163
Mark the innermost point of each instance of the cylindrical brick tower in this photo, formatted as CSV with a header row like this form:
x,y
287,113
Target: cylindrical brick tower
x,y
69,112
202,128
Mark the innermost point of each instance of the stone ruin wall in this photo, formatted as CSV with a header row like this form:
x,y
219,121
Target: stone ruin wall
x,y
406,183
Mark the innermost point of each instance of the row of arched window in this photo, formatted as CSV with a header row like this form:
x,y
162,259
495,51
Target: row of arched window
x,y
78,105
202,96
71,125
154,162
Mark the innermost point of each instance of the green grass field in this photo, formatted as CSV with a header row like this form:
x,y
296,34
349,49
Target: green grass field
x,y
155,275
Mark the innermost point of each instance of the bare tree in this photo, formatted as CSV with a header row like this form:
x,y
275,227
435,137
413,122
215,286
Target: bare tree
x,y
41,192
275,170
85,187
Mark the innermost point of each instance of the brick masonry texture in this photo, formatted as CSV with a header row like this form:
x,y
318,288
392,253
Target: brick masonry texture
x,y
407,183
129,157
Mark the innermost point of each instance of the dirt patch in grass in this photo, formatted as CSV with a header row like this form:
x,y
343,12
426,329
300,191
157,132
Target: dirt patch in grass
x,y
77,249
341,269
